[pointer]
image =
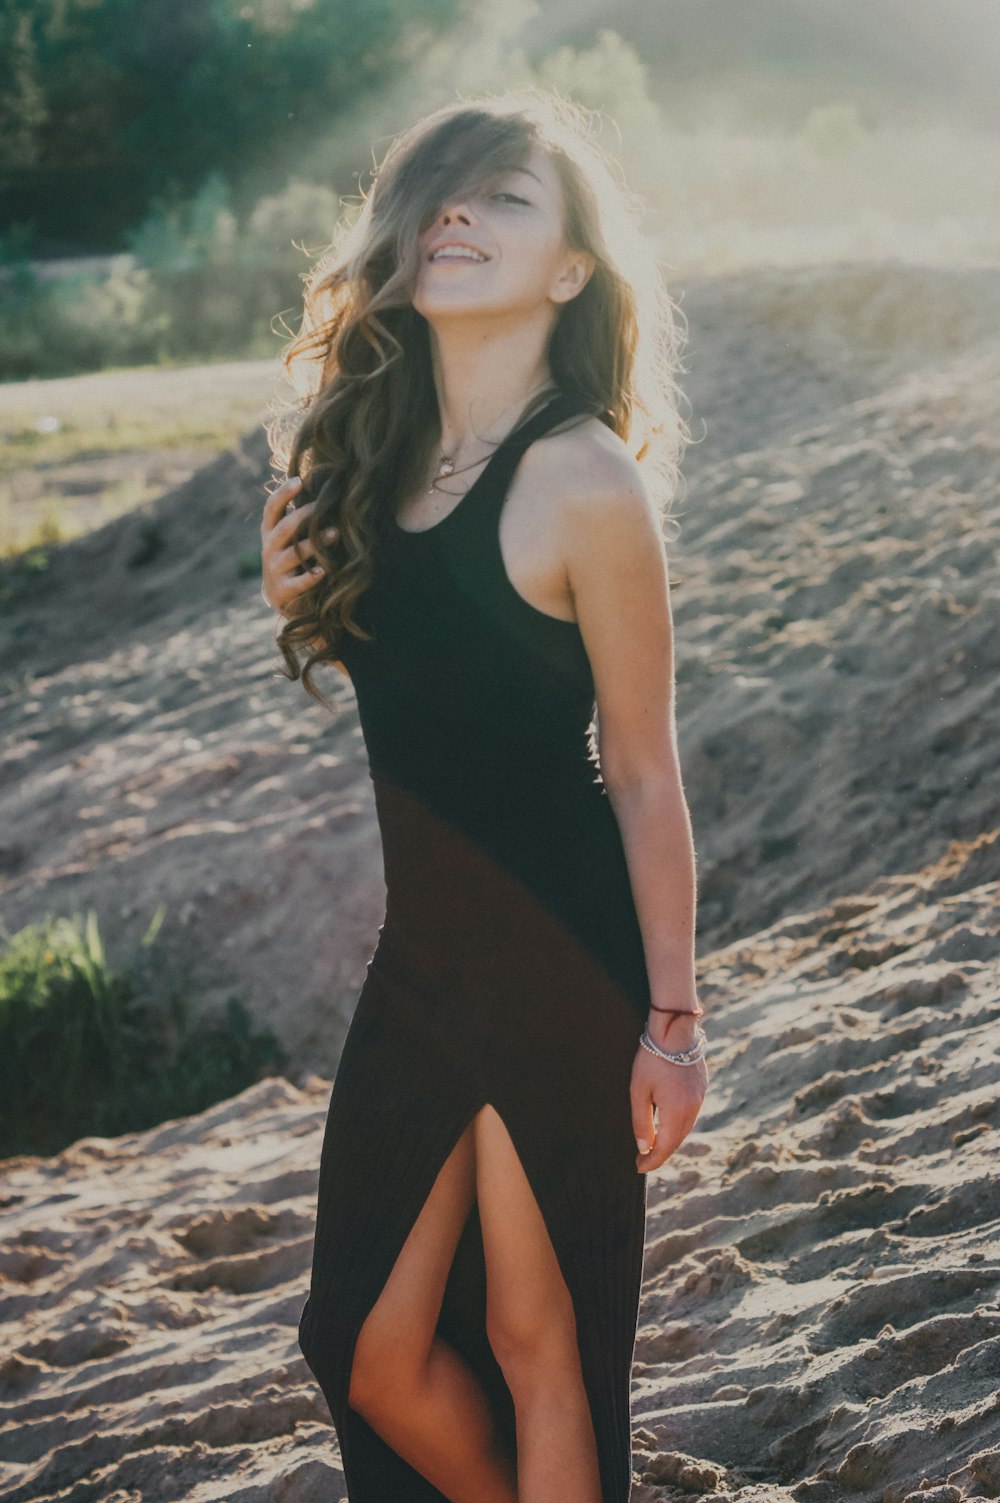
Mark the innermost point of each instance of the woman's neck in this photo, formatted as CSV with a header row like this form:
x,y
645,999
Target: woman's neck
x,y
482,386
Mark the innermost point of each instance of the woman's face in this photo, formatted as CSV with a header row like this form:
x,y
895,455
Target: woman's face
x,y
515,221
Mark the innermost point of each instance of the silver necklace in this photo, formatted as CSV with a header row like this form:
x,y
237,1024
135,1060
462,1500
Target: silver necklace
x,y
446,462
447,467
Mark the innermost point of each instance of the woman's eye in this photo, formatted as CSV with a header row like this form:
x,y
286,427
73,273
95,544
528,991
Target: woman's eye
x,y
514,196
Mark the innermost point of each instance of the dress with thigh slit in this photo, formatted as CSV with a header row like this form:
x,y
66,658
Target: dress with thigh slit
x,y
509,969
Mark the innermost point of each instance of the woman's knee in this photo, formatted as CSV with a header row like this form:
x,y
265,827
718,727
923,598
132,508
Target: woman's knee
x,y
534,1344
386,1365
374,1369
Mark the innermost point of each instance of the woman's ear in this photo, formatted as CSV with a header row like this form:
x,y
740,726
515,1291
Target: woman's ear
x,y
574,276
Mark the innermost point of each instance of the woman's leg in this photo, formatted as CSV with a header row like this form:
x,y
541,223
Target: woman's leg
x,y
532,1328
409,1384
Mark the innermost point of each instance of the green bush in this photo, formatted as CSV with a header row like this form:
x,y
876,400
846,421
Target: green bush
x,y
82,1054
78,322
196,285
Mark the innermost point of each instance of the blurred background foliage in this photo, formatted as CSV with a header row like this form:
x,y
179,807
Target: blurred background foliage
x,y
168,168
112,106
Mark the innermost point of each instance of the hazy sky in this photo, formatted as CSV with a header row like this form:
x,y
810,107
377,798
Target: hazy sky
x,y
901,58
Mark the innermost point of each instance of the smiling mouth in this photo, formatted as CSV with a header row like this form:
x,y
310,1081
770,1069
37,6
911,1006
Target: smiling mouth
x,y
464,257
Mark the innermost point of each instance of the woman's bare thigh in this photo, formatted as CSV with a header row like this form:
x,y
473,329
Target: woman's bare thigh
x,y
398,1331
530,1316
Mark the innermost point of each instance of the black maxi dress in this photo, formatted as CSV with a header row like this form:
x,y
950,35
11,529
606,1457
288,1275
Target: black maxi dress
x,y
508,969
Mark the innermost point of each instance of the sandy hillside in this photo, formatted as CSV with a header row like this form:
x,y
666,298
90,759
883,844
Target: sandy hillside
x,y
837,609
821,1306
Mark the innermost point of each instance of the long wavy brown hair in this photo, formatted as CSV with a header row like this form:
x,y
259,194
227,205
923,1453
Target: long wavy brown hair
x,y
362,430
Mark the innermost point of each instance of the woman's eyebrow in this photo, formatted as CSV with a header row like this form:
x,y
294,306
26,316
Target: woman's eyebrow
x,y
506,171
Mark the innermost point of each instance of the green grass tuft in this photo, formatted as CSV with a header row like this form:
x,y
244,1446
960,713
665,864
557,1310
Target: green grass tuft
x,y
83,1054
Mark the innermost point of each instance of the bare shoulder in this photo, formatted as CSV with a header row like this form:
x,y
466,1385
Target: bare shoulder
x,y
595,485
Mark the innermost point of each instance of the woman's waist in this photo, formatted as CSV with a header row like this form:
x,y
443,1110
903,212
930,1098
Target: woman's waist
x,y
553,836
492,786
475,891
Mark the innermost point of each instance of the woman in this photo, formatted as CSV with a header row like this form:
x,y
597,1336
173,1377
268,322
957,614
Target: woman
x,y
473,543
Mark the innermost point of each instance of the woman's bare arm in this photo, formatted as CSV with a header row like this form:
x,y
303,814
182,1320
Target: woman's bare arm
x,y
617,569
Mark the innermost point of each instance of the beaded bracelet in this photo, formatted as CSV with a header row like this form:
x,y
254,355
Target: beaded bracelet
x,y
690,1056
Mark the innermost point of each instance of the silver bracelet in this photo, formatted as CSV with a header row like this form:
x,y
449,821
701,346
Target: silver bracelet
x,y
690,1056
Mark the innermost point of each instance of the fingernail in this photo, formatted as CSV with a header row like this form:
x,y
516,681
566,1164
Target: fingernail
x,y
296,481
642,1145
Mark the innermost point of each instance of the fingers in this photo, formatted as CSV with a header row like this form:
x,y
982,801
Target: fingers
x,y
298,584
285,550
642,1121
676,1105
666,1143
286,539
299,551
274,506
282,519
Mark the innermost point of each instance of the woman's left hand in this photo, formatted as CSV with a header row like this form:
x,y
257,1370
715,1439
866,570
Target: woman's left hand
x,y
281,557
676,1092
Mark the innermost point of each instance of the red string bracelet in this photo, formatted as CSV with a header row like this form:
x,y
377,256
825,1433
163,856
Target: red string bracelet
x,y
681,1012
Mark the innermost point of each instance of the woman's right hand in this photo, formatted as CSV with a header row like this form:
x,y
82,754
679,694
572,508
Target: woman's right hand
x,y
675,1094
280,557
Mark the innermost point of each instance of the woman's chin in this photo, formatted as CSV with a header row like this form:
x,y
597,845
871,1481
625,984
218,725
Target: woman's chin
x,y
457,305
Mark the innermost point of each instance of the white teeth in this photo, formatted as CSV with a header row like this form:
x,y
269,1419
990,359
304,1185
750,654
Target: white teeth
x,y
457,253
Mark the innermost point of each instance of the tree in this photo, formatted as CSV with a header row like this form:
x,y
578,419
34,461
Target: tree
x,y
110,104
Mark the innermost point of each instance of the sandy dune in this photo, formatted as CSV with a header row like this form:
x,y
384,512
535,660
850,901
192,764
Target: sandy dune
x,y
821,1316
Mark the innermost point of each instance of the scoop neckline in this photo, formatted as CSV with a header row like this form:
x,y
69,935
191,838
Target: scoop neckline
x,y
535,611
408,532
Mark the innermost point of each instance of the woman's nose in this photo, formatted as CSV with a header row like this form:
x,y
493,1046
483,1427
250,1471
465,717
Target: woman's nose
x,y
457,210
